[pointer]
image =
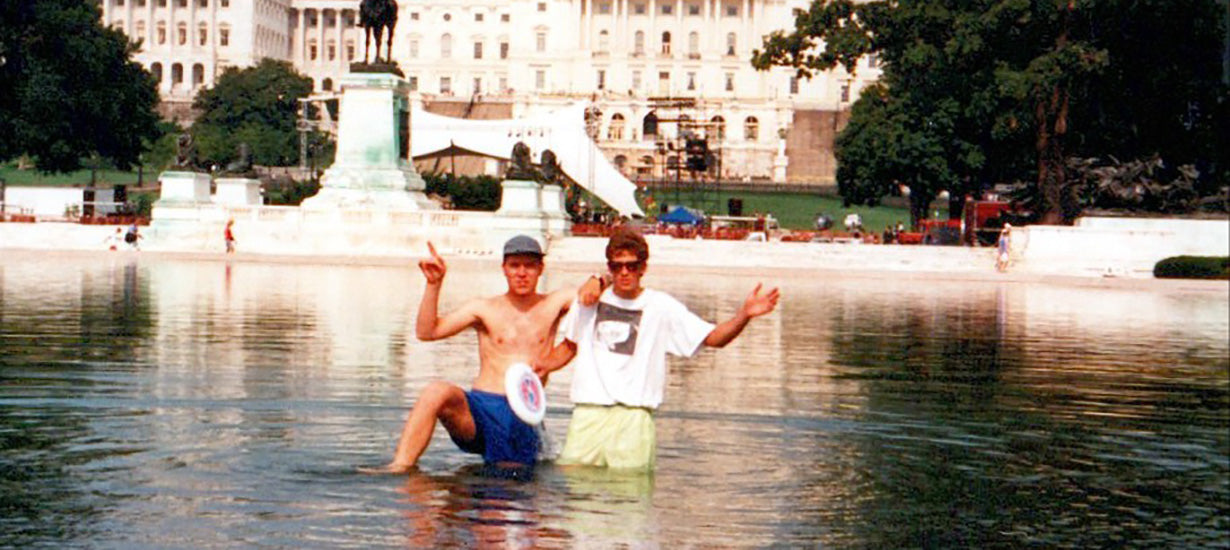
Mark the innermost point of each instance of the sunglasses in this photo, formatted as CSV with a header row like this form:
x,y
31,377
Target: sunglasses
x,y
633,266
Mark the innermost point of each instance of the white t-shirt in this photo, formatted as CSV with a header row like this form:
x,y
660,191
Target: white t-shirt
x,y
622,346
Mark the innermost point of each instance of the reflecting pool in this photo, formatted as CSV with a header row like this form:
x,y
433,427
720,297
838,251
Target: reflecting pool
x,y
150,402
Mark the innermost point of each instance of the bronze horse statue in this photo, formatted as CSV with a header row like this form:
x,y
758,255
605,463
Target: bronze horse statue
x,y
378,17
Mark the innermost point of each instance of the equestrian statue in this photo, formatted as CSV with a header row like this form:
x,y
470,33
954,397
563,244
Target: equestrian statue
x,y
378,17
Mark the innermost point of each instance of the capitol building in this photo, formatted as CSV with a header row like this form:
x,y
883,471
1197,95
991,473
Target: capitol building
x,y
657,71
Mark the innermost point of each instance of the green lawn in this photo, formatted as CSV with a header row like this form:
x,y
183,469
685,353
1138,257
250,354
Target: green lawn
x,y
12,176
792,210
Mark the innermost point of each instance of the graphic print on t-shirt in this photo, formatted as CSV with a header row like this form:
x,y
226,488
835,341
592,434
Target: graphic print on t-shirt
x,y
617,328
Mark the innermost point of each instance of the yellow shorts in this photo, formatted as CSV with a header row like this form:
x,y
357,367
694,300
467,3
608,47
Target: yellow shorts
x,y
612,436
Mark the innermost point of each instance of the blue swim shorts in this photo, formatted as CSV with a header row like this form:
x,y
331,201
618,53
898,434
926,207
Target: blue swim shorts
x,y
499,435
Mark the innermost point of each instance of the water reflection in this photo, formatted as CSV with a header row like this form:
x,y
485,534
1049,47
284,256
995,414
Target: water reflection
x,y
160,403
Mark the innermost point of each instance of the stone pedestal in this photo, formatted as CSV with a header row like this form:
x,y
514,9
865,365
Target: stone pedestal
x,y
520,198
553,209
183,188
372,167
238,192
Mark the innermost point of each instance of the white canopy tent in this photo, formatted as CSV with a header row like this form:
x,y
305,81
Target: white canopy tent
x,y
563,132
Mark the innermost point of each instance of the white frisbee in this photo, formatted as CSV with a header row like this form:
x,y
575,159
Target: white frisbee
x,y
525,393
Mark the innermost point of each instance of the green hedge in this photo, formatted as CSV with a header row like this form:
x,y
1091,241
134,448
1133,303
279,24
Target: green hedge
x,y
1193,267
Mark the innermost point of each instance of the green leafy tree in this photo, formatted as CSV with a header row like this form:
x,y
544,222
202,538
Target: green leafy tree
x,y
258,106
985,91
69,88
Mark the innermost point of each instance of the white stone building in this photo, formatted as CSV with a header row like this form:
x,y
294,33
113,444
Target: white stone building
x,y
495,59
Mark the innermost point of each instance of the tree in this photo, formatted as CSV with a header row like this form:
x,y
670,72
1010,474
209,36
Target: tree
x,y
1003,90
69,88
258,106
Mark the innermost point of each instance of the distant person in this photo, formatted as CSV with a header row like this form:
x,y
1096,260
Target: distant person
x,y
229,235
113,240
620,346
133,236
1005,242
516,326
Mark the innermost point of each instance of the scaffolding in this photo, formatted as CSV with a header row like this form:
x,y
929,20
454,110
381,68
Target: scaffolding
x,y
682,178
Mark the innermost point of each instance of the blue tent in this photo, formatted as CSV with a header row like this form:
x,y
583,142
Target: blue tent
x,y
681,214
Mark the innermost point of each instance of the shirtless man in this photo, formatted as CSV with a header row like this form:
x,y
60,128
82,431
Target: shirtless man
x,y
515,327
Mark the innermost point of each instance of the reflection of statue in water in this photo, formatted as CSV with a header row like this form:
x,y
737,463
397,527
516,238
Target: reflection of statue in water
x,y
378,17
520,166
551,173
185,156
242,165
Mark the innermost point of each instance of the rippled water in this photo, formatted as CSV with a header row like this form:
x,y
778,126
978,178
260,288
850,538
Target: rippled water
x,y
149,403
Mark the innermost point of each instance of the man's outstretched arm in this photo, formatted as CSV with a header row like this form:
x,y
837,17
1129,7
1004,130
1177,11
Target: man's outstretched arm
x,y
429,325
755,305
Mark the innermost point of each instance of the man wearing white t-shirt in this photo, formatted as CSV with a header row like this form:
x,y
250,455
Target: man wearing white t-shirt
x,y
620,346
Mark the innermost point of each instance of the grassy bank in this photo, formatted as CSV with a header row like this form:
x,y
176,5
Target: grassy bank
x,y
12,176
792,210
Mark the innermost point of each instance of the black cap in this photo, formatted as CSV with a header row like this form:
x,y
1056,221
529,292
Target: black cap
x,y
522,244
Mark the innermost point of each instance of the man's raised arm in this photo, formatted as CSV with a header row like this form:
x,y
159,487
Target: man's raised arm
x,y
755,305
429,325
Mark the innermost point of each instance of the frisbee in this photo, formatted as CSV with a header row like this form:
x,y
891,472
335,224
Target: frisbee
x,y
525,393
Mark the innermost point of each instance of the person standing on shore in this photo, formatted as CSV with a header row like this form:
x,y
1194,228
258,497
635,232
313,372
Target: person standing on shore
x,y
229,235
620,345
1001,254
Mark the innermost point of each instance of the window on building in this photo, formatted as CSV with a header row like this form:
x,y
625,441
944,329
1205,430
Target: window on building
x,y
636,80
694,45
638,43
446,46
162,32
504,18
604,8
156,69
202,34
542,6
503,83
478,85
794,85
604,41
691,81
181,34
730,82
478,50
666,43
327,85
540,41
649,125
414,48
140,3
350,50
751,129
414,83
182,3
873,61
224,36
615,131
141,30
198,74
540,79
601,79
162,3
664,82
693,9
719,128
503,50
331,50
732,10
667,9
448,17
730,43
312,50
225,3
478,18
414,16
446,85
638,9
845,93
177,74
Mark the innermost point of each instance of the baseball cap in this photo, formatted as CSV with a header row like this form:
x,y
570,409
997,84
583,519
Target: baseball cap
x,y
522,244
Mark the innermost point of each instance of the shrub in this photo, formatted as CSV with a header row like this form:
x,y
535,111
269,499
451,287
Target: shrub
x,y
1193,267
